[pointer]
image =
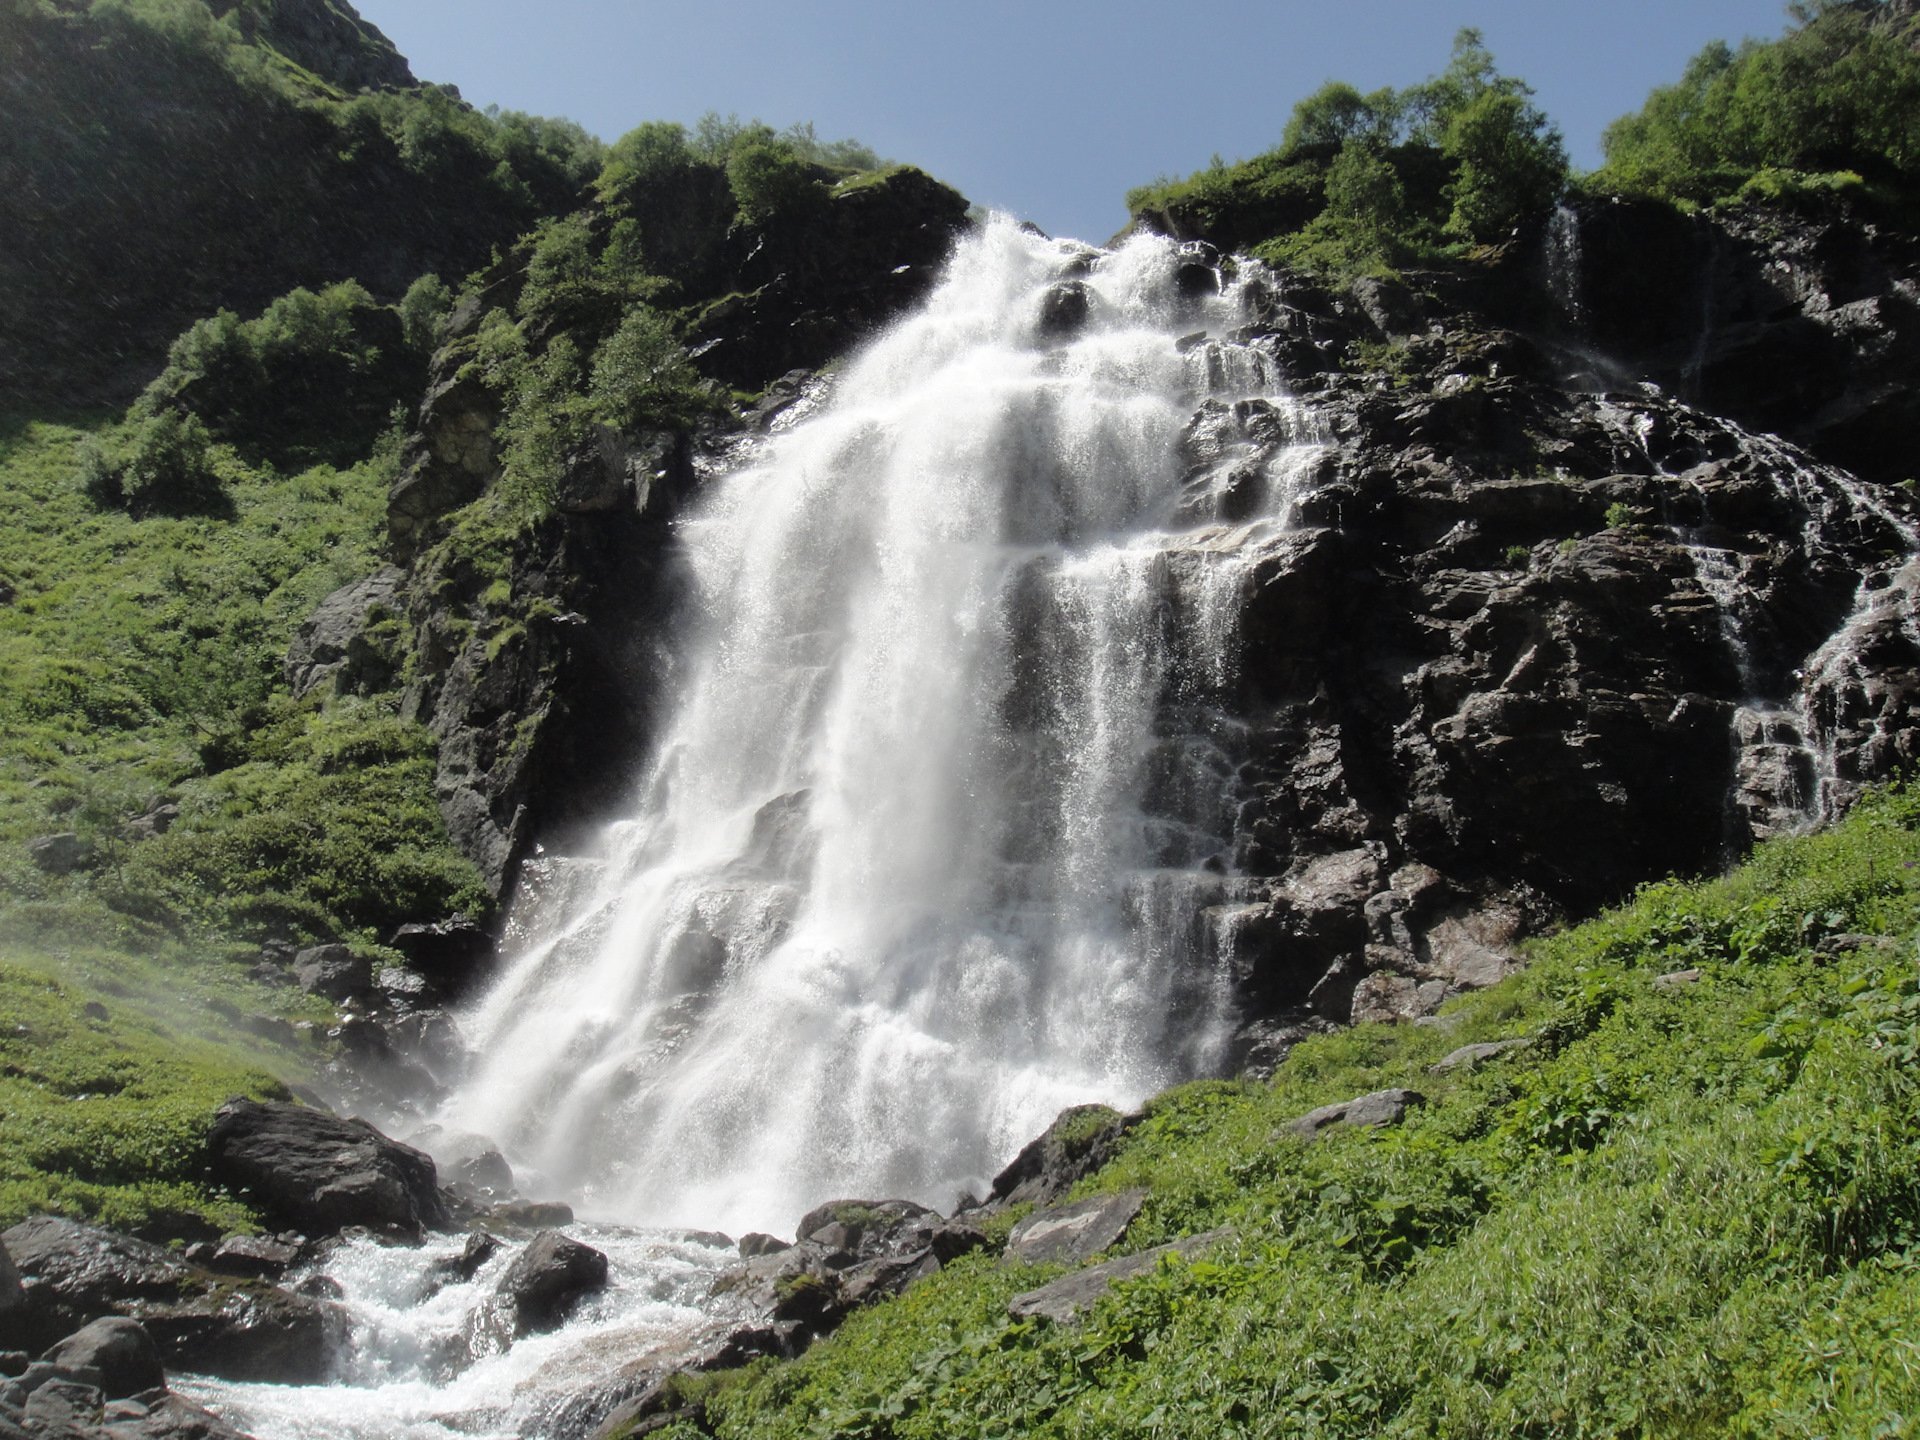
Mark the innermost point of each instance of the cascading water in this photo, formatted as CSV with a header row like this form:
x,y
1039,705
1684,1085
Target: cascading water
x,y
923,857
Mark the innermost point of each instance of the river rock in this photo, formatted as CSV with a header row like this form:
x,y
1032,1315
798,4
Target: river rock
x,y
114,1355
319,1174
547,1279
241,1330
1076,1232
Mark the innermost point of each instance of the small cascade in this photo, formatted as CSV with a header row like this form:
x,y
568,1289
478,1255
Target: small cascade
x,y
935,841
422,1365
1785,768
1563,265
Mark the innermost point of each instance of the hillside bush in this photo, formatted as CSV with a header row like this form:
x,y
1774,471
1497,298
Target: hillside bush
x,y
1367,181
1838,94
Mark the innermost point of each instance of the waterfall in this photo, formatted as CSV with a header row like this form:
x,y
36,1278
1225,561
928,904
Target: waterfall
x,y
934,832
1563,265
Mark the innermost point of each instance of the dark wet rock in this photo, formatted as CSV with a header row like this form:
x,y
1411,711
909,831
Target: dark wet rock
x,y
349,642
1063,1301
333,971
646,1395
1064,309
523,1217
1371,1111
478,1249
1079,1141
319,1174
261,1257
200,1321
754,1244
1075,1232
451,955
114,1355
61,853
547,1279
13,1302
1472,1057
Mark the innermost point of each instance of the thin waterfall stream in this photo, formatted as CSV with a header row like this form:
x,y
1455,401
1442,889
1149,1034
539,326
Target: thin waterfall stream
x,y
936,834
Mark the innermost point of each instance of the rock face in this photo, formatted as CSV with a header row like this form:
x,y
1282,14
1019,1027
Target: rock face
x,y
243,1330
320,1174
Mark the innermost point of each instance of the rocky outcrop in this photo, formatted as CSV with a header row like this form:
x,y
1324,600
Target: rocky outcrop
x,y
341,644
74,1274
1080,1140
321,1174
1063,1301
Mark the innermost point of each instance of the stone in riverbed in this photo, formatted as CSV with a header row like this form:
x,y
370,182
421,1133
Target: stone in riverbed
x,y
237,1329
113,1354
548,1278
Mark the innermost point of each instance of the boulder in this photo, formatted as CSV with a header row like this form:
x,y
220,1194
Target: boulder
x,y
1381,1107
1472,1057
333,971
13,1303
1080,1140
319,1174
1076,1232
115,1355
1064,1300
547,1279
61,853
451,955
340,644
199,1321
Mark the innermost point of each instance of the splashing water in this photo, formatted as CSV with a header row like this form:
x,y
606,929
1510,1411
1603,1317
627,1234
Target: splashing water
x,y
930,843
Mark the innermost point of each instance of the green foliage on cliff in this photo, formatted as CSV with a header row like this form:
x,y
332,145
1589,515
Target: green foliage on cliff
x,y
1689,1207
169,158
1364,181
140,663
1834,104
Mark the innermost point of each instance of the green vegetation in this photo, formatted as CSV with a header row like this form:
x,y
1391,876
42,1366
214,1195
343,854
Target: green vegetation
x,y
1367,182
1831,107
169,161
1691,1206
140,660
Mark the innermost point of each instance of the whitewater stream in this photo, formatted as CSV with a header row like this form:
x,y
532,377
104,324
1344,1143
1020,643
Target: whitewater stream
x,y
934,835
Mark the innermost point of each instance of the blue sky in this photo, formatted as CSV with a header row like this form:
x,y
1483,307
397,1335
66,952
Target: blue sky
x,y
1050,108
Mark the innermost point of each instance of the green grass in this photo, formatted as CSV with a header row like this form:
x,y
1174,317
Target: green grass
x,y
108,1084
140,661
1686,1210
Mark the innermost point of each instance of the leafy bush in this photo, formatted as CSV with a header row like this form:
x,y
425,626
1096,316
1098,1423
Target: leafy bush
x,y
160,465
1365,181
1838,93
423,313
315,374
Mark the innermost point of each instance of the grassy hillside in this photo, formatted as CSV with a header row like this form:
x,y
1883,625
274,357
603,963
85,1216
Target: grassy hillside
x,y
139,667
1690,1207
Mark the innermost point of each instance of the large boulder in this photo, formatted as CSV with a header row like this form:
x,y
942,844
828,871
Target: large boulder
x,y
244,1330
1080,1140
113,1354
319,1174
547,1279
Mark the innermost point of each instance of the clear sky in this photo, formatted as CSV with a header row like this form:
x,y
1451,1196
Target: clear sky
x,y
1052,109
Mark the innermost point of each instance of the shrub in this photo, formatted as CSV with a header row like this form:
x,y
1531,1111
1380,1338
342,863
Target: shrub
x,y
169,467
771,181
423,313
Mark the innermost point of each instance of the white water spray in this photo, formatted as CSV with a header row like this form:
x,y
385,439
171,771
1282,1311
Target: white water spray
x,y
920,859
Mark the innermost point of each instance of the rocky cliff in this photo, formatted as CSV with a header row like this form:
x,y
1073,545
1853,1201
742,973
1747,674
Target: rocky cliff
x,y
1600,574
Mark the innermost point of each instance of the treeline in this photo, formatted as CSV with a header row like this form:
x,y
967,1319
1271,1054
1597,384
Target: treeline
x,y
1371,181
